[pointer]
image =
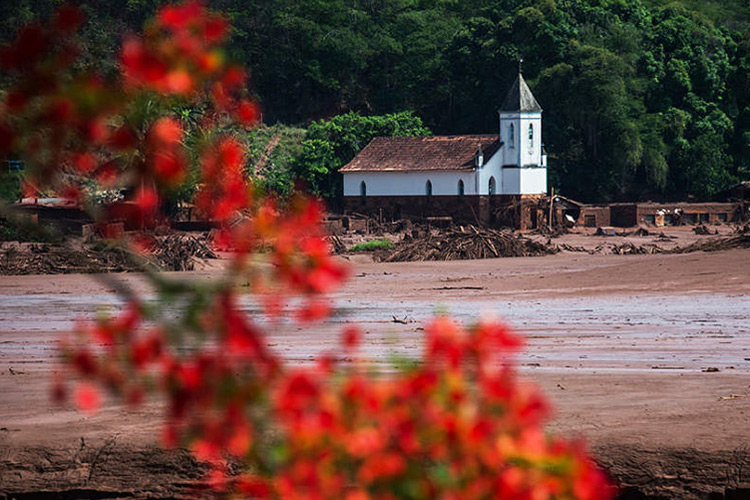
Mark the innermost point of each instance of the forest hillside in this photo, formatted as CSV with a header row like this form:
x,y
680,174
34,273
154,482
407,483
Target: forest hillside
x,y
642,99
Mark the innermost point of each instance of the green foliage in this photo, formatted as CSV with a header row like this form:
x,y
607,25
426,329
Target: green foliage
x,y
16,228
272,152
10,186
372,245
638,94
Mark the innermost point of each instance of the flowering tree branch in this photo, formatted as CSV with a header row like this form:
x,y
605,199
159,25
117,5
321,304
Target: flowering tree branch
x,y
456,425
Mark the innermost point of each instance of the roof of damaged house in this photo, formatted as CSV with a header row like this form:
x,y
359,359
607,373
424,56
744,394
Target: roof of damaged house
x,y
409,154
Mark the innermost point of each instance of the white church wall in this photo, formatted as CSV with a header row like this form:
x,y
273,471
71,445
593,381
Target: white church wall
x,y
520,153
492,168
511,181
408,183
524,180
510,149
534,181
531,155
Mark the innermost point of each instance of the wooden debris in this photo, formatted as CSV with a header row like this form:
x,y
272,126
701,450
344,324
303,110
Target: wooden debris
x,y
717,244
337,245
731,397
175,252
467,242
631,249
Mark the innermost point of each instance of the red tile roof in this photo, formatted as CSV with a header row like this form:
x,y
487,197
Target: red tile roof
x,y
406,154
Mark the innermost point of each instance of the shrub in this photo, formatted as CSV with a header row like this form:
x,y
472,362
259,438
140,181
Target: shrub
x,y
372,245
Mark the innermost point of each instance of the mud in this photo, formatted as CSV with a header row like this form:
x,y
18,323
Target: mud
x,y
622,345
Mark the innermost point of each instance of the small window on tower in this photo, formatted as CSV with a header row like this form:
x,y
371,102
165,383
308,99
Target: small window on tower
x,y
531,138
363,190
511,137
428,189
460,187
492,187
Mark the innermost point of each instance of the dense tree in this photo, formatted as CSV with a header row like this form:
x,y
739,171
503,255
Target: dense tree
x,y
331,144
643,98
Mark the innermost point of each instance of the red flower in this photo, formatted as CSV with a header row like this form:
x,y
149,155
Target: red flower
x,y
312,311
179,82
68,18
165,133
215,29
248,113
351,337
87,398
234,78
253,487
85,163
60,111
147,202
170,167
231,154
123,137
180,16
298,390
83,361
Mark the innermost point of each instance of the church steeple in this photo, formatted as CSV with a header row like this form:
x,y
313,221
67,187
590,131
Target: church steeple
x,y
521,130
519,97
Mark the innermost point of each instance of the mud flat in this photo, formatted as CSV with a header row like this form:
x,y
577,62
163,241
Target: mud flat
x,y
646,356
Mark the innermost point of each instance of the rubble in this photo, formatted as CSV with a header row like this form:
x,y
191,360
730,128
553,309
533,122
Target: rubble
x,y
175,252
702,230
742,240
337,246
633,249
178,252
466,242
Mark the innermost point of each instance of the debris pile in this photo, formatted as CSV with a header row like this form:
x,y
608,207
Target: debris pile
x,y
632,249
175,252
466,242
178,252
742,240
337,246
702,230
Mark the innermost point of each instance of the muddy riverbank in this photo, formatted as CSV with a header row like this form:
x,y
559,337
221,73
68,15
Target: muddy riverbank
x,y
647,357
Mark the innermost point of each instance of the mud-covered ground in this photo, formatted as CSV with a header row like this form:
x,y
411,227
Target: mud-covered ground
x,y
622,345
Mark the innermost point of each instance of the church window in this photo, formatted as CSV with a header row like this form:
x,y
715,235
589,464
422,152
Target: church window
x,y
428,189
492,185
511,136
531,138
460,187
363,190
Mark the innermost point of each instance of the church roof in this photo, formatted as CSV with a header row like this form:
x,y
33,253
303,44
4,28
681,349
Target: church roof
x,y
407,154
520,98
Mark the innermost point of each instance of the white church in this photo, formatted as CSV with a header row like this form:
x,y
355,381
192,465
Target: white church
x,y
470,178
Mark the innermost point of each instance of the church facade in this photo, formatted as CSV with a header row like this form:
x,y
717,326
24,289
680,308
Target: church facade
x,y
483,179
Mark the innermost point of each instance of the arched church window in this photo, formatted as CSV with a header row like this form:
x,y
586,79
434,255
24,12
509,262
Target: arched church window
x,y
492,185
363,190
511,136
428,188
531,138
460,187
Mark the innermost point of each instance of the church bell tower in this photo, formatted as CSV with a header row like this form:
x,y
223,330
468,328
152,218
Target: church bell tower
x,y
521,135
